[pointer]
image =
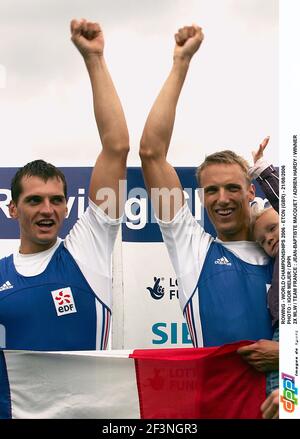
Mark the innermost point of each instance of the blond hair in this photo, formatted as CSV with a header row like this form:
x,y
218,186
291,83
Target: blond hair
x,y
226,157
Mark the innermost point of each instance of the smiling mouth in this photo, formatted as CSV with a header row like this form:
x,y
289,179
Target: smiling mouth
x,y
224,212
45,224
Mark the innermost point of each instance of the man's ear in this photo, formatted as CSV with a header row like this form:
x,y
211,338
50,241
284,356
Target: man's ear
x,y
200,193
251,192
13,210
67,212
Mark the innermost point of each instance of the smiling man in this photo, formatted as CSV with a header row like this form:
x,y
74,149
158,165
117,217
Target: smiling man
x,y
56,294
222,282
39,204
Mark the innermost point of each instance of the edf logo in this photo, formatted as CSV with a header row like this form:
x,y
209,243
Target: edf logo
x,y
63,301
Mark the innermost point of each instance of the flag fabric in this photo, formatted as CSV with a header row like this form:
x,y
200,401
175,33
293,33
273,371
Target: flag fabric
x,y
187,383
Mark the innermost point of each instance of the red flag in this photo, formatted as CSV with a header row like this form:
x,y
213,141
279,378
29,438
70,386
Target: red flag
x,y
200,383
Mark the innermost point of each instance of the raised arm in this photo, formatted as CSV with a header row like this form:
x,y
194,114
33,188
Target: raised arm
x,y
110,167
266,175
158,173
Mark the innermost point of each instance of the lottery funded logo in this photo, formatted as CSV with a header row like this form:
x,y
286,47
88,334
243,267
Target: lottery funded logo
x,y
163,287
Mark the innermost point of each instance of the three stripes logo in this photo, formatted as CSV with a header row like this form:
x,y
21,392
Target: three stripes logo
x,y
6,286
222,261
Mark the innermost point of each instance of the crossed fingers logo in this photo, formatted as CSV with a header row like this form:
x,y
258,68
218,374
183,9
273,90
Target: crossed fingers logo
x,y
157,292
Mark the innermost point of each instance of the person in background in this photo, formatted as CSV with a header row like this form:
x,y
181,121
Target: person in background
x,y
264,354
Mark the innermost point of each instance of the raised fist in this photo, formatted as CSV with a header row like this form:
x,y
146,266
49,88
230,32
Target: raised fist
x,y
87,37
260,152
188,40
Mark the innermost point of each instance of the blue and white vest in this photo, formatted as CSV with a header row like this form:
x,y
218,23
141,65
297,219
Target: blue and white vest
x,y
230,300
54,310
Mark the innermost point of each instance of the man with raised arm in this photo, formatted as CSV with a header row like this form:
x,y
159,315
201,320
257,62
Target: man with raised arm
x,y
223,281
54,294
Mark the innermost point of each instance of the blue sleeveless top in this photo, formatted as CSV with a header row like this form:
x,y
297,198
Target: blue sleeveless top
x,y
230,300
55,310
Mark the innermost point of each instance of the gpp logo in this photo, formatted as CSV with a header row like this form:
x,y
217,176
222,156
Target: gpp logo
x,y
63,301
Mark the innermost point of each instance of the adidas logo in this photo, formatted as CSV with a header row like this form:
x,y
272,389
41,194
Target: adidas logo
x,y
222,261
6,286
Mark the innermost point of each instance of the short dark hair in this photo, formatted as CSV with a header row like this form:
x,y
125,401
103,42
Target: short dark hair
x,y
37,168
226,157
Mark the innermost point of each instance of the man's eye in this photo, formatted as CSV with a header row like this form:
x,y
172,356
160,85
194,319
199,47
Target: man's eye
x,y
34,200
57,200
210,190
234,188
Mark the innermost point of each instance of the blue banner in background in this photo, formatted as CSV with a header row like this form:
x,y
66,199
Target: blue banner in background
x,y
138,224
78,188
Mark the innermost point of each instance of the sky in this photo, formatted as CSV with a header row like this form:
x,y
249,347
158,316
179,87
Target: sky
x,y
230,98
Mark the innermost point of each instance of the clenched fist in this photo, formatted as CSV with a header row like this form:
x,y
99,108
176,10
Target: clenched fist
x,y
188,40
87,37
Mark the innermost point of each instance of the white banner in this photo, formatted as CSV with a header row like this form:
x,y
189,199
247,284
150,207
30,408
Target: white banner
x,y
152,315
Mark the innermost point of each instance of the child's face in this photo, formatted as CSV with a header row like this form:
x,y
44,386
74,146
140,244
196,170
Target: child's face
x,y
266,232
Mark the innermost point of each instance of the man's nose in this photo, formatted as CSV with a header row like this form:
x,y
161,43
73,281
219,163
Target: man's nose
x,y
223,196
46,208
